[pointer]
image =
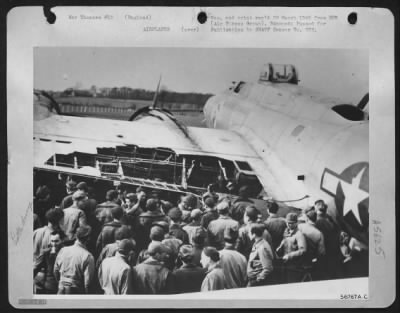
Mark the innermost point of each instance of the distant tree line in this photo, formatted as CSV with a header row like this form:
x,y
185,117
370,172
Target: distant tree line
x,y
164,96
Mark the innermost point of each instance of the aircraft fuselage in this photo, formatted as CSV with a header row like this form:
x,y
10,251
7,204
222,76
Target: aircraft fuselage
x,y
310,152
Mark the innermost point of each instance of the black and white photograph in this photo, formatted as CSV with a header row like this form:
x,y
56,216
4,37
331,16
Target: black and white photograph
x,y
187,157
179,170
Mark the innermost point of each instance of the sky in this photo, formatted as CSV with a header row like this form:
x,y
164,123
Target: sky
x,y
335,73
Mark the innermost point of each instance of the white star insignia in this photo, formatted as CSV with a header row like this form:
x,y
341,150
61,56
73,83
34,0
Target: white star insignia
x,y
353,195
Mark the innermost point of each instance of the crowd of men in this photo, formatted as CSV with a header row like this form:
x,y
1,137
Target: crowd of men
x,y
139,243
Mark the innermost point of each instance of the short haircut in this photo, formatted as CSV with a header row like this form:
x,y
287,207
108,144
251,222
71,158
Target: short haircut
x,y
257,229
252,213
132,197
151,205
111,195
273,207
212,253
199,237
186,253
312,215
209,202
123,232
156,247
125,246
157,233
82,186
58,232
175,214
54,216
117,212
191,201
83,232
223,207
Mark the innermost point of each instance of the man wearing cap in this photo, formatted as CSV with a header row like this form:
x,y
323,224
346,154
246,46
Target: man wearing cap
x,y
74,265
233,263
331,232
151,276
67,201
189,277
107,234
260,265
292,249
314,238
74,216
175,228
115,273
275,225
217,227
210,212
215,278
240,204
194,225
244,243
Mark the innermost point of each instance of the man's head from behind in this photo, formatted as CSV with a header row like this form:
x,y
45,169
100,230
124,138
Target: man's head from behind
x,y
53,216
126,247
257,230
152,205
251,214
112,195
272,207
117,212
123,232
157,233
158,251
223,208
186,253
83,233
209,256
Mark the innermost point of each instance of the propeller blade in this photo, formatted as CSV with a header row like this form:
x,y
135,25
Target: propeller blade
x,y
363,102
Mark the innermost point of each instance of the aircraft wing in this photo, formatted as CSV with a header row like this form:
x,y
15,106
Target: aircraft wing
x,y
62,135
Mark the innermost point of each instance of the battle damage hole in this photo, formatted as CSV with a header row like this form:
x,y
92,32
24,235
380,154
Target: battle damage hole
x,y
50,16
352,18
202,17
